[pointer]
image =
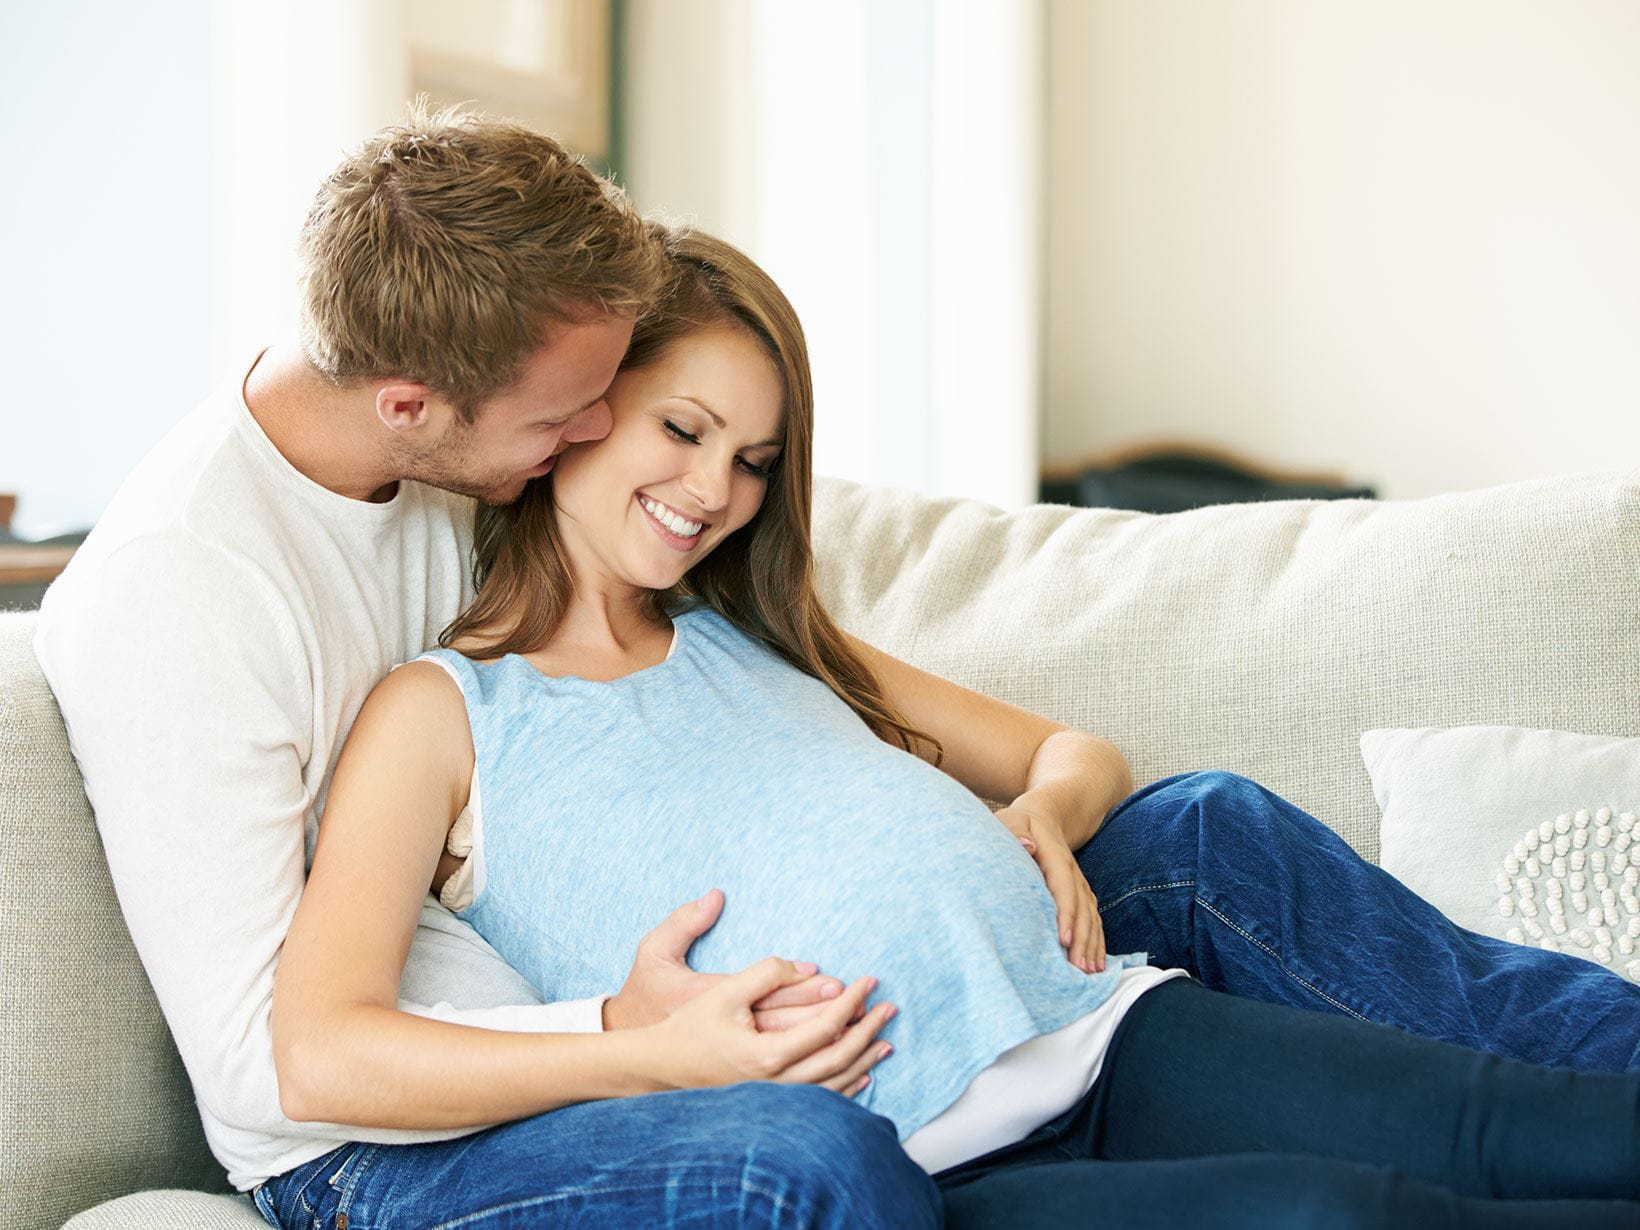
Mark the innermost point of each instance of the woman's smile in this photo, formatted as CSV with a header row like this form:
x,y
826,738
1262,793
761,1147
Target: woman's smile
x,y
671,526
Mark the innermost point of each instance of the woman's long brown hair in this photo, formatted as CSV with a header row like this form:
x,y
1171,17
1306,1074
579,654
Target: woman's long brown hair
x,y
761,578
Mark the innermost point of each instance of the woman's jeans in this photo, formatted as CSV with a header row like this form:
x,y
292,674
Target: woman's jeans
x,y
745,1155
1212,873
1208,872
1217,1111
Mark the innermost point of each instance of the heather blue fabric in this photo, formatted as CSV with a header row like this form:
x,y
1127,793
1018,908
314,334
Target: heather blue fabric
x,y
607,805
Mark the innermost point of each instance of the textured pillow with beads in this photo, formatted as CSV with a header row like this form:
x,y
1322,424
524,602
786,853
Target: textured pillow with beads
x,y
1526,835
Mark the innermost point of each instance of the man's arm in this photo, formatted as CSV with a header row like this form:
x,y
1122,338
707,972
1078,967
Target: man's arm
x,y
190,709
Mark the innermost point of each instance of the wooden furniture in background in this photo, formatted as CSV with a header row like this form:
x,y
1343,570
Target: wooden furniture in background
x,y
24,563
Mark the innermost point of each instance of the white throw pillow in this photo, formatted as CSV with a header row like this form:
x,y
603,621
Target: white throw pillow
x,y
1525,835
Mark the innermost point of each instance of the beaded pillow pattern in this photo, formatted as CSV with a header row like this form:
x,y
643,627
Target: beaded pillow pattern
x,y
1572,884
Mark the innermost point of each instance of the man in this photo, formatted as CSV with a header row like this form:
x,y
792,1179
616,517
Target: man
x,y
468,290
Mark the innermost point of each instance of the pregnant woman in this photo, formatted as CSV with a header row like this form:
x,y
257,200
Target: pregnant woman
x,y
646,701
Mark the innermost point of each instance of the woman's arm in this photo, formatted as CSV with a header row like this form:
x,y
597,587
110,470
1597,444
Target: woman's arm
x,y
1059,783
345,1053
1004,753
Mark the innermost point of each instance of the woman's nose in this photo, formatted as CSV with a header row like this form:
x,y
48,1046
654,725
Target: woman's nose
x,y
708,486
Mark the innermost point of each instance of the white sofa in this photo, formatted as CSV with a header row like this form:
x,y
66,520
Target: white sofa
x,y
1258,638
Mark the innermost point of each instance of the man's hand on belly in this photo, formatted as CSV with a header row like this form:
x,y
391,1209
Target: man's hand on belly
x,y
661,980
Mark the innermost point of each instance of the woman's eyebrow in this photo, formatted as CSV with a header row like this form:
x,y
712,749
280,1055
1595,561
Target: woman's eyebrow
x,y
718,419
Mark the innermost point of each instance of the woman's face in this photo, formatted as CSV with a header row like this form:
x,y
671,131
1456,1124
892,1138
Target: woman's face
x,y
684,465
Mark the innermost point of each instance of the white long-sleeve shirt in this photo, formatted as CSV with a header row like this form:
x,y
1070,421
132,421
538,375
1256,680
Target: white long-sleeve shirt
x,y
210,646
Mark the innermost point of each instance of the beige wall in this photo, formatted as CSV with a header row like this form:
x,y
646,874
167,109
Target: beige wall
x,y
1398,239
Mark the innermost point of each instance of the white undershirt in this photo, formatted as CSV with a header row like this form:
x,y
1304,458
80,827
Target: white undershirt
x,y
1031,1084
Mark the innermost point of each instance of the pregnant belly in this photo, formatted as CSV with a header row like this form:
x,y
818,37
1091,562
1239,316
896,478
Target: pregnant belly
x,y
944,909
916,905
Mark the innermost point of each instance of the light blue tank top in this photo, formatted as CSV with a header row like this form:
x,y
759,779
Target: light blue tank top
x,y
605,806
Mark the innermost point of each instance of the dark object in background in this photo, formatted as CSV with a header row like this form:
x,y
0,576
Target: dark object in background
x,y
1176,480
27,566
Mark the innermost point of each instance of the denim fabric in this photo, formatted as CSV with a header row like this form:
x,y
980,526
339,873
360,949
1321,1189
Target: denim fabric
x,y
748,1155
1213,1110
1214,874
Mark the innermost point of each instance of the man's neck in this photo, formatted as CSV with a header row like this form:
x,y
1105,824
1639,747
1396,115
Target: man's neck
x,y
330,435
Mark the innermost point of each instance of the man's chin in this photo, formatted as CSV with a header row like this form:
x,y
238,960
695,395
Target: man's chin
x,y
500,497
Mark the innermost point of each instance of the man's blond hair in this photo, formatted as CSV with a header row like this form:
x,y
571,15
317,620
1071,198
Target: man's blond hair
x,y
442,248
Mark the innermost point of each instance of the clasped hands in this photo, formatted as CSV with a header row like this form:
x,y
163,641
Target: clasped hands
x,y
776,1020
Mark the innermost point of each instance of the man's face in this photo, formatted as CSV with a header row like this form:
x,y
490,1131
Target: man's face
x,y
515,435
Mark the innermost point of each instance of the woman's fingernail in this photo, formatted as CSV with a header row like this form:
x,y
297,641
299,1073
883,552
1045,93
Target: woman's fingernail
x,y
830,990
885,1050
806,967
864,1081
893,1011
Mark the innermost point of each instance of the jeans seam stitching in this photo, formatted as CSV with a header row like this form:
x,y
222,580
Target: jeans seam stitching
x,y
1280,964
467,1219
350,1185
1145,888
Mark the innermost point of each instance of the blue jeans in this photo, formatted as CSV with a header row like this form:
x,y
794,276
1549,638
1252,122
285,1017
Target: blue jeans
x,y
1209,872
1213,873
1213,1110
746,1155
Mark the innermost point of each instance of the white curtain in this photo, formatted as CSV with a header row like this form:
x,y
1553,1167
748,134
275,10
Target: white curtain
x,y
297,83
883,162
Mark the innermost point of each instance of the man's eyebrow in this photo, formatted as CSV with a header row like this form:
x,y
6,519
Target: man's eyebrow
x,y
718,419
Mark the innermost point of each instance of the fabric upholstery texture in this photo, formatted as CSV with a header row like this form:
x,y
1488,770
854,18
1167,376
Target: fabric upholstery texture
x,y
93,1099
1262,638
151,1210
1258,638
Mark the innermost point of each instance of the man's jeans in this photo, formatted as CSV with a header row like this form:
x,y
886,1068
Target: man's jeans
x,y
1212,873
746,1155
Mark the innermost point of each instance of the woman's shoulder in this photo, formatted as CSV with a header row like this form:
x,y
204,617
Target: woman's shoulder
x,y
415,715
427,686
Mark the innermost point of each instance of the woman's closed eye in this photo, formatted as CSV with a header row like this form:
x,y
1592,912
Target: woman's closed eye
x,y
688,437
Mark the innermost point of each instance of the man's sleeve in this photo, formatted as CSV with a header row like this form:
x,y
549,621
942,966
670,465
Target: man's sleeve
x,y
190,708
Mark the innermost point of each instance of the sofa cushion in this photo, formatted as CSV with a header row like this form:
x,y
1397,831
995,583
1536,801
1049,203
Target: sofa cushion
x,y
1262,638
148,1210
1523,835
93,1099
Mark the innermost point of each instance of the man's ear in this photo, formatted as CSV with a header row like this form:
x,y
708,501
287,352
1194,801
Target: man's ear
x,y
403,406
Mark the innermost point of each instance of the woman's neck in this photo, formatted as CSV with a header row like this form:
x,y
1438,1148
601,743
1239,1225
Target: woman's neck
x,y
605,639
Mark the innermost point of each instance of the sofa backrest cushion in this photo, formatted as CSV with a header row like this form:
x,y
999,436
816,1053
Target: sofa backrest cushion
x,y
1262,638
94,1102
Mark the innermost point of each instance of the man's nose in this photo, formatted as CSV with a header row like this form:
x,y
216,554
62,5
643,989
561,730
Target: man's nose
x,y
593,423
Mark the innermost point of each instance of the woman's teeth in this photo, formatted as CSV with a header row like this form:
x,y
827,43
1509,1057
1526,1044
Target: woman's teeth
x,y
671,520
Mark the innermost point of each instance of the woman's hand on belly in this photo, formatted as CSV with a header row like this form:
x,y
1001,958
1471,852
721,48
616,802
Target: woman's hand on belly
x,y
1081,933
661,981
713,1039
